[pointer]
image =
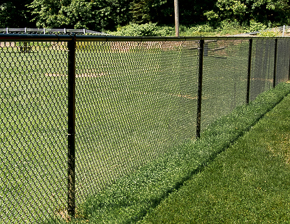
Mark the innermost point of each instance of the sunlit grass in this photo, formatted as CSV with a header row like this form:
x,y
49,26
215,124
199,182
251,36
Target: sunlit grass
x,y
130,198
248,183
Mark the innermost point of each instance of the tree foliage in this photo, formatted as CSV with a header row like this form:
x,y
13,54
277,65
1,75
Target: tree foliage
x,y
14,13
247,10
109,14
92,14
144,11
162,11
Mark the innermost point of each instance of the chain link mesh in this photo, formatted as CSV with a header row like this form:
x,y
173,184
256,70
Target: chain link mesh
x,y
134,101
283,59
224,78
33,131
263,55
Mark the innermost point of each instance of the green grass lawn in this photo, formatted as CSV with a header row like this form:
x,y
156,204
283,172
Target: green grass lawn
x,y
131,197
132,108
247,183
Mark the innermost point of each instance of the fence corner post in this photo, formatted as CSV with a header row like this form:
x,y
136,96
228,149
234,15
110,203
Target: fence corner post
x,y
249,70
289,70
199,94
289,63
71,126
275,62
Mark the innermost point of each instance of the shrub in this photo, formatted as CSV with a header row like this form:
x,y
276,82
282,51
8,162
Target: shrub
x,y
197,30
230,27
147,29
256,26
269,33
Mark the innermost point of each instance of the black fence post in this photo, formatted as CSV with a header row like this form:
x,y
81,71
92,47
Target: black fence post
x,y
71,126
249,70
199,94
289,69
275,63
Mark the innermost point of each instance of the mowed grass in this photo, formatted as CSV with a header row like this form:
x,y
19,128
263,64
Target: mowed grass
x,y
132,107
248,183
131,197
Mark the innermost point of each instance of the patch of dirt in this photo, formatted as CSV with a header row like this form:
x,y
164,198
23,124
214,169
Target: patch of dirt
x,y
261,79
53,74
90,75
77,76
63,214
185,96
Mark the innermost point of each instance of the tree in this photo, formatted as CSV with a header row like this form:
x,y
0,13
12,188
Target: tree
x,y
91,14
162,11
144,11
15,14
59,13
247,10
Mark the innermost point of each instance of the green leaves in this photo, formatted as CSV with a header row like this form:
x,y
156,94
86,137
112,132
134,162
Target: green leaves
x,y
147,29
90,14
144,11
246,10
102,15
14,13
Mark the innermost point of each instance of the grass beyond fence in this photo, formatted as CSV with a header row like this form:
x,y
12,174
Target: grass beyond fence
x,y
248,183
134,196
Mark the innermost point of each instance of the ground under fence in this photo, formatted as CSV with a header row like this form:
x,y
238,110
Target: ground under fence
x,y
79,112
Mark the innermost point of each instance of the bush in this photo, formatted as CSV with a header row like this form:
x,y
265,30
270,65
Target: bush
x,y
147,29
269,33
230,27
225,27
256,26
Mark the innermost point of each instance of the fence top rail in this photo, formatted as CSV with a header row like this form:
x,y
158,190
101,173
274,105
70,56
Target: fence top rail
x,y
34,37
26,30
55,37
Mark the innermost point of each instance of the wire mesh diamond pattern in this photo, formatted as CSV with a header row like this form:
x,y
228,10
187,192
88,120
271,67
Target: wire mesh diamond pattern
x,y
134,99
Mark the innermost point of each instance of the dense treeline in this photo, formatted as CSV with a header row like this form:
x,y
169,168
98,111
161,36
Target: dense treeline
x,y
108,14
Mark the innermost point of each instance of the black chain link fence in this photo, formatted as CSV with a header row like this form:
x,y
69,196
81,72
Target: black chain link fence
x,y
26,30
133,100
33,179
270,64
283,48
77,113
224,78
